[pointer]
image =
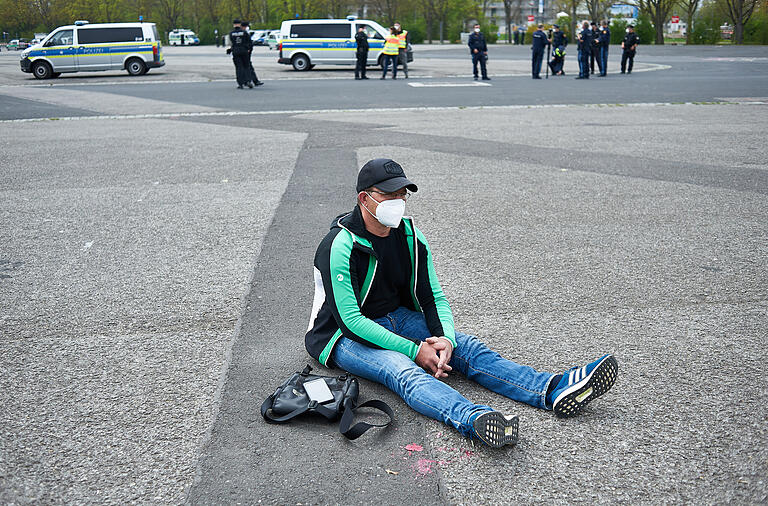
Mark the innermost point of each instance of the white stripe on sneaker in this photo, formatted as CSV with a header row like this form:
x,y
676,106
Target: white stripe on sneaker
x,y
570,378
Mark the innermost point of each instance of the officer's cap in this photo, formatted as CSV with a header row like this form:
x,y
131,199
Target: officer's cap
x,y
556,26
385,174
235,21
245,23
631,26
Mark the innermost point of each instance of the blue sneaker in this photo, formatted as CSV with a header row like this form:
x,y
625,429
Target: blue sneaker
x,y
581,385
496,429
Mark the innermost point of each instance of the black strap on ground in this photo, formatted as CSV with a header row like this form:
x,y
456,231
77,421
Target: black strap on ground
x,y
360,428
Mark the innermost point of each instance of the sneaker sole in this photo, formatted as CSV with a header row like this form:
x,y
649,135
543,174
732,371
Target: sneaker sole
x,y
602,378
496,430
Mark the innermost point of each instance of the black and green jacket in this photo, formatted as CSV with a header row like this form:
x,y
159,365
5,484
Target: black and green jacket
x,y
345,266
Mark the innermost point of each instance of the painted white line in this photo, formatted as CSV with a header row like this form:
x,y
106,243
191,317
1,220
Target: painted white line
x,y
372,110
650,67
446,85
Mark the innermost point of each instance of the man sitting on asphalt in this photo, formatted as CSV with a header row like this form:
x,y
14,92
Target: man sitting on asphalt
x,y
379,313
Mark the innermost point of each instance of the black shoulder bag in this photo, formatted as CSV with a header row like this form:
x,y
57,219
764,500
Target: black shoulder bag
x,y
291,400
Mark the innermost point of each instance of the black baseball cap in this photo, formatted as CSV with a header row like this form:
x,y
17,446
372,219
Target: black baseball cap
x,y
556,26
385,174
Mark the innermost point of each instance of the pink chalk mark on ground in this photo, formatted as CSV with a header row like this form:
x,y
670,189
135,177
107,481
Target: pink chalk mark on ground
x,y
413,447
424,467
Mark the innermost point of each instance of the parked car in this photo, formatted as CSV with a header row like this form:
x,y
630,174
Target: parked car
x,y
257,37
273,39
18,44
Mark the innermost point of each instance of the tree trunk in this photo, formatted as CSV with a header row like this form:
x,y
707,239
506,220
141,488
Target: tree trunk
x,y
658,17
574,5
738,32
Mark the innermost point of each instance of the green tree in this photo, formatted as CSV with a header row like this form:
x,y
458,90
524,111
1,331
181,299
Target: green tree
x,y
657,12
739,12
645,30
618,30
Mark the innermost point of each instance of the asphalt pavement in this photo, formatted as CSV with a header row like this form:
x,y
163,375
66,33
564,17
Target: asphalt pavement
x,y
156,243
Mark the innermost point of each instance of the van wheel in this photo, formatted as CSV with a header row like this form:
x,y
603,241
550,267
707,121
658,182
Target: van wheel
x,y
300,62
381,61
42,70
135,67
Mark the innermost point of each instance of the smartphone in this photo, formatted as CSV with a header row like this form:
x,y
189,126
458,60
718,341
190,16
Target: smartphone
x,y
318,390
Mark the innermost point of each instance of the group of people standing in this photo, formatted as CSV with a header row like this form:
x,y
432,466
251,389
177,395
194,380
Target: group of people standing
x,y
241,49
395,51
593,43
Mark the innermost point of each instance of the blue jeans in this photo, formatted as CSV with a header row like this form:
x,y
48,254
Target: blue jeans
x,y
430,396
390,58
583,64
603,59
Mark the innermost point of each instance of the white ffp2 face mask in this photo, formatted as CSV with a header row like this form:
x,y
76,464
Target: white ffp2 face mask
x,y
389,212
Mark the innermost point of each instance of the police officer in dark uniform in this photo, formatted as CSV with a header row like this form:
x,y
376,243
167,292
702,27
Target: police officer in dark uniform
x,y
559,41
540,43
595,54
362,52
479,51
253,79
629,46
605,42
241,44
585,48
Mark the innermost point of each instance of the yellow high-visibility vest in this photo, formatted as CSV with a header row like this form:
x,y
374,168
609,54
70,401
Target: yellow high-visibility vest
x,y
392,45
402,42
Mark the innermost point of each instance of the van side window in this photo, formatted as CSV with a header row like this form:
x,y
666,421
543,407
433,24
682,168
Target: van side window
x,y
106,35
320,31
62,38
370,32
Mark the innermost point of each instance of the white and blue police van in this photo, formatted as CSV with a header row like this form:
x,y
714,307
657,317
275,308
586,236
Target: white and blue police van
x,y
134,47
305,43
183,37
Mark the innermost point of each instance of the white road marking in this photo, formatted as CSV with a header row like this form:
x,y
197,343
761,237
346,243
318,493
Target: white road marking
x,y
372,110
446,85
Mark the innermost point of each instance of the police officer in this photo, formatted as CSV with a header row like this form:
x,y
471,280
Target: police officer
x,y
362,52
585,48
402,47
241,43
605,41
253,80
595,54
629,46
540,43
479,51
517,35
559,43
